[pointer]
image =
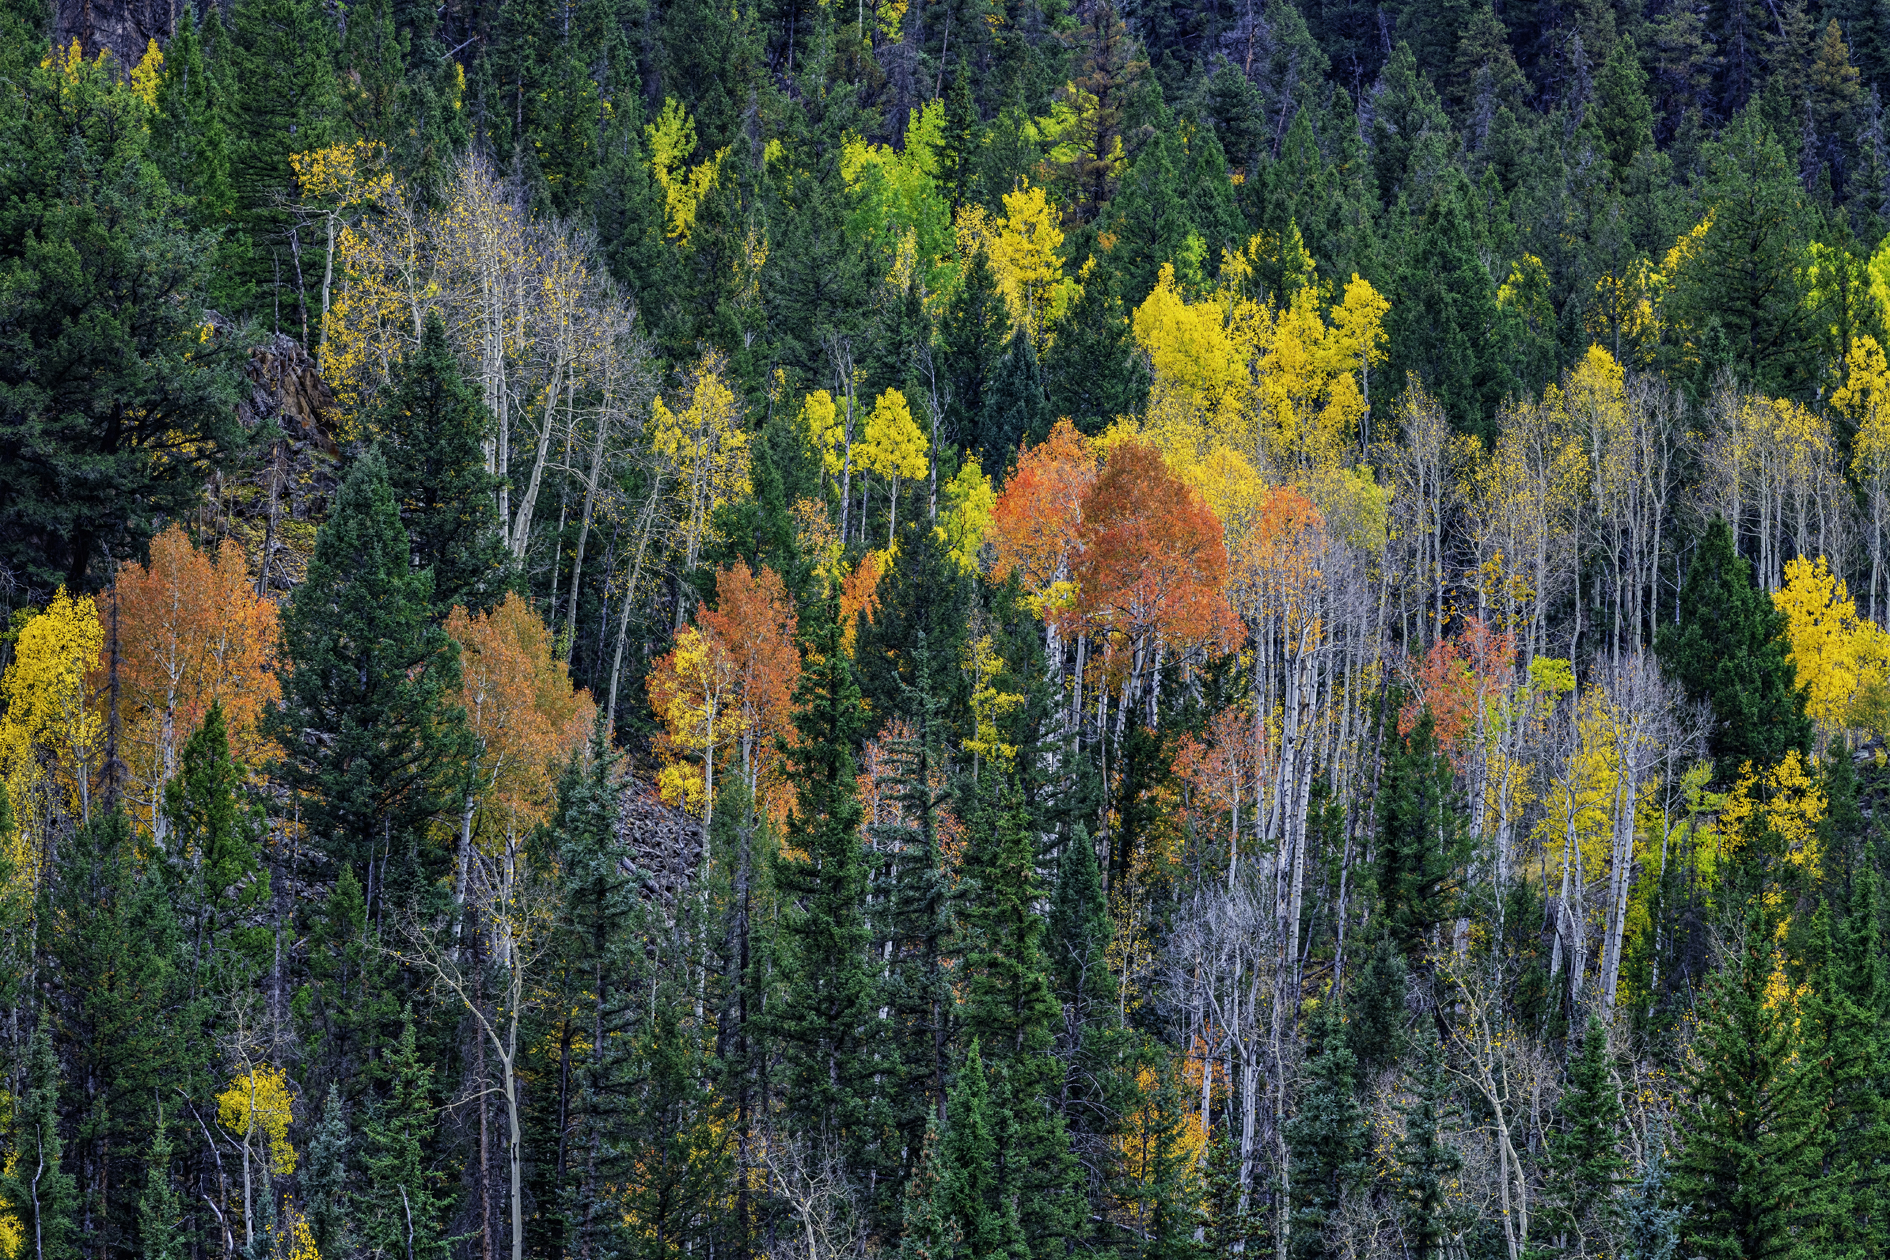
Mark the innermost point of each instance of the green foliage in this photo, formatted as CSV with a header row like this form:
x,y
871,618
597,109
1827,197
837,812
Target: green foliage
x,y
1583,1159
1729,649
1750,1149
368,732
1421,840
431,427
399,1208
115,403
40,1191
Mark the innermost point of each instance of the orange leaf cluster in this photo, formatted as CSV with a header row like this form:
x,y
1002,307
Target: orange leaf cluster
x,y
521,709
859,593
731,688
1036,521
1456,680
191,631
1152,558
1279,567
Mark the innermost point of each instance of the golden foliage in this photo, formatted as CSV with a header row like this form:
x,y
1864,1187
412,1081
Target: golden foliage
x,y
52,733
258,1104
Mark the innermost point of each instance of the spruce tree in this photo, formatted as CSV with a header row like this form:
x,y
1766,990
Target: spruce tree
x,y
399,1208
1093,371
1624,115
1729,649
285,99
823,1019
1421,840
1844,1048
1427,1164
39,1191
969,1196
908,653
110,937
213,857
1328,1137
432,427
1015,410
324,1177
1584,1163
346,1009
1010,1006
975,330
367,727
1750,1138
160,1215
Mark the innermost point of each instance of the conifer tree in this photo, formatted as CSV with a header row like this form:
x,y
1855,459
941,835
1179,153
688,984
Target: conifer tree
x,y
214,857
160,1216
368,733
908,653
914,920
968,1203
823,1019
432,426
324,1178
1584,1163
1014,406
1328,1135
40,1193
112,938
975,330
285,100
1009,1005
399,1207
1844,1050
1421,841
1751,1146
1426,1162
346,1008
1624,115
1093,371
1729,649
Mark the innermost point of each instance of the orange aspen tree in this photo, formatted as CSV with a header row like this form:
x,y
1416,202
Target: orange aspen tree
x,y
191,633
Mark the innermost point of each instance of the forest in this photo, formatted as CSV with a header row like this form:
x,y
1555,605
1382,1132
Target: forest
x,y
1133,629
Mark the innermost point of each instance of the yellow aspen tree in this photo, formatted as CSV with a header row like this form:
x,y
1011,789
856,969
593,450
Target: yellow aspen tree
x,y
1022,247
1865,399
1838,656
894,448
705,449
51,738
966,516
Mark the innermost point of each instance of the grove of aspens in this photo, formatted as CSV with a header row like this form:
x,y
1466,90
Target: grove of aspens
x,y
1027,629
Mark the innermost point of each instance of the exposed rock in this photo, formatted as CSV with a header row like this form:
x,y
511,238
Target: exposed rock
x,y
126,27
662,845
272,501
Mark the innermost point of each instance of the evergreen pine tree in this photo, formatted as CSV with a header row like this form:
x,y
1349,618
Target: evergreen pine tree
x,y
324,1179
367,730
346,1009
1623,113
1729,649
431,427
908,653
1093,371
1015,409
1328,1137
285,99
1427,1164
1009,1005
914,920
970,1194
1651,1220
39,1192
1584,1163
1844,1049
111,939
399,1207
1751,1146
190,138
1376,1006
1421,841
213,856
976,331
160,1215
824,1016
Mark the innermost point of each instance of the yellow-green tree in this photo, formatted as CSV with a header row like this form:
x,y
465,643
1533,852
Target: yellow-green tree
x,y
894,448
51,737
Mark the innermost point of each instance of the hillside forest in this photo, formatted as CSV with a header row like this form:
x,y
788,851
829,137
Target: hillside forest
x,y
995,628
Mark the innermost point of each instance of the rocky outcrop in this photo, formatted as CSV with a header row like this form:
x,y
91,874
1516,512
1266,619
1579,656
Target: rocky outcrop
x,y
126,27
272,501
662,846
